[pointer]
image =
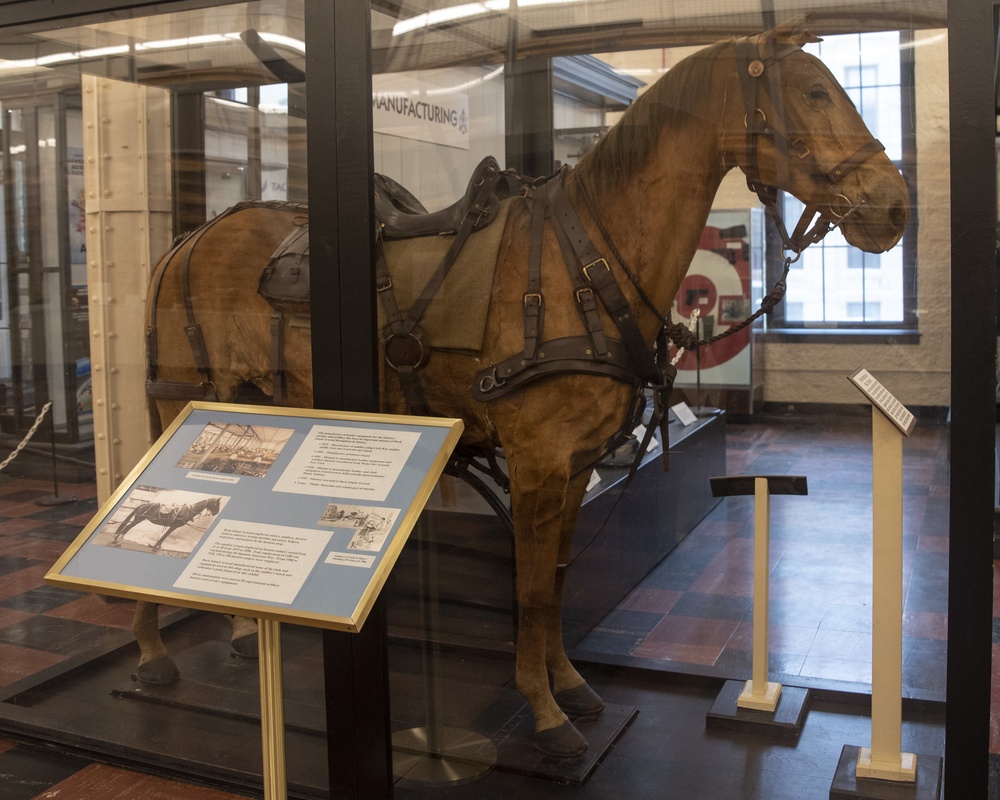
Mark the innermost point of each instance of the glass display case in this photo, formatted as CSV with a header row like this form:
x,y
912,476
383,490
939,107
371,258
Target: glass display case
x,y
489,211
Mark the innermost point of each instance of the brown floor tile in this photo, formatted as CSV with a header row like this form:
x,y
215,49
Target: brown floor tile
x,y
995,702
696,640
925,625
17,663
111,783
659,601
21,581
932,544
837,669
781,639
18,525
97,611
11,616
32,547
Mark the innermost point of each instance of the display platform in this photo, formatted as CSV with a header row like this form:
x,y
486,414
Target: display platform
x,y
622,533
207,723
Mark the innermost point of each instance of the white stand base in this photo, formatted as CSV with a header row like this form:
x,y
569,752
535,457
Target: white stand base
x,y
766,701
903,771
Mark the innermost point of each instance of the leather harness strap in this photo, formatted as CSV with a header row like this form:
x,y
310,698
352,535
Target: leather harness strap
x,y
750,68
406,350
205,390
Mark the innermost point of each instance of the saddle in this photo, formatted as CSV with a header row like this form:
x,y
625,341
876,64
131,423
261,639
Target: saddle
x,y
401,216
284,282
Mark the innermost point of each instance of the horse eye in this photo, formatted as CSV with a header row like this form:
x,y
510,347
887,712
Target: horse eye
x,y
818,94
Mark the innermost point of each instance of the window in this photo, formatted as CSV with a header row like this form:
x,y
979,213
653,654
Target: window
x,y
834,285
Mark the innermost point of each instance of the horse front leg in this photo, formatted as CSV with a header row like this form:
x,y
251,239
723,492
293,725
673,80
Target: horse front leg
x,y
570,690
163,538
155,664
537,503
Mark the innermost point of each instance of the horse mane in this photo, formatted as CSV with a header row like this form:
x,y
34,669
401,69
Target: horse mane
x,y
624,150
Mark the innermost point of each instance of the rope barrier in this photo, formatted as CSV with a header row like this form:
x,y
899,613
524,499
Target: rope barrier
x,y
27,437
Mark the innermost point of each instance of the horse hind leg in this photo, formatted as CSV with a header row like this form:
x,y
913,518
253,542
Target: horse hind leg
x,y
244,638
126,525
155,665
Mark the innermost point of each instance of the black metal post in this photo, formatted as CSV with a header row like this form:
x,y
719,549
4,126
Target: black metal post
x,y
345,374
973,354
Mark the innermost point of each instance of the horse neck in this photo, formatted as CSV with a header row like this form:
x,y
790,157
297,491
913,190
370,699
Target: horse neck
x,y
656,217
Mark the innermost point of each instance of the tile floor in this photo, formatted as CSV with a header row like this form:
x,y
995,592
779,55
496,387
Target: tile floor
x,y
691,614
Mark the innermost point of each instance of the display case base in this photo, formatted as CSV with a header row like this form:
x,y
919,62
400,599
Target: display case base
x,y
786,720
215,684
848,786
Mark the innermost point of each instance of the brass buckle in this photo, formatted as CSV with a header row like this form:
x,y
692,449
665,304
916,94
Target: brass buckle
x,y
602,261
536,296
385,286
582,292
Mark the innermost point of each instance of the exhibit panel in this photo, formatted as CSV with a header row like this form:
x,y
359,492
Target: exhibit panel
x,y
555,183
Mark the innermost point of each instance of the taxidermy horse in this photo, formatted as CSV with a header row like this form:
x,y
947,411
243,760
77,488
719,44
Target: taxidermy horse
x,y
639,200
170,517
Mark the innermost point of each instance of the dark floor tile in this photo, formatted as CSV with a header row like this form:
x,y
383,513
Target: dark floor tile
x,y
23,495
40,599
9,564
612,642
57,531
64,512
712,606
55,635
639,623
26,773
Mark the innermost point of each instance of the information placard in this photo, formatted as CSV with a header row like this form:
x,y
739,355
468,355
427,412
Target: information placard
x,y
883,399
294,515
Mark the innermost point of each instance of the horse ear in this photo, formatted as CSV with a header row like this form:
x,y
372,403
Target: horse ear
x,y
792,31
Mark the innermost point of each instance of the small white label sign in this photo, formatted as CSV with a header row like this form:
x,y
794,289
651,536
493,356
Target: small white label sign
x,y
685,416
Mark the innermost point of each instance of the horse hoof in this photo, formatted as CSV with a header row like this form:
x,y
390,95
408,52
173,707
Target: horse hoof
x,y
158,672
563,741
579,702
245,646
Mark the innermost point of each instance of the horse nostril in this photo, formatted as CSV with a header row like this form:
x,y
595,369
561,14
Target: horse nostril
x,y
898,215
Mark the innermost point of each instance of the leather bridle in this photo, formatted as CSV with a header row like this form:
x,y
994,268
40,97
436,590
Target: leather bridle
x,y
751,68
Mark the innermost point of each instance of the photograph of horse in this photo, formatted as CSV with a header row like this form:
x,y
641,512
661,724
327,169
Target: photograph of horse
x,y
638,202
164,517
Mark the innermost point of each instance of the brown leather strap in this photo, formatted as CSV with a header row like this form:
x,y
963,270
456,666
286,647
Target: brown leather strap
x,y
180,390
534,302
572,354
279,380
589,266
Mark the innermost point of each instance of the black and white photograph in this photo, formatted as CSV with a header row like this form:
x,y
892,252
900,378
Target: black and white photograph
x,y
235,449
166,522
372,525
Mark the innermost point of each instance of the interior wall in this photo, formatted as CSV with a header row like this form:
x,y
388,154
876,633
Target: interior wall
x,y
438,174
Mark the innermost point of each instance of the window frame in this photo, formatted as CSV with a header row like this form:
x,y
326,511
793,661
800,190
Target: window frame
x,y
779,328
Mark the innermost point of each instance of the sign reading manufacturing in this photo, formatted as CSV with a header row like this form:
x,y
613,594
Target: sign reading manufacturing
x,y
413,109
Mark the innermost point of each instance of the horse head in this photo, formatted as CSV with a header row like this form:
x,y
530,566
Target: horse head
x,y
214,505
798,131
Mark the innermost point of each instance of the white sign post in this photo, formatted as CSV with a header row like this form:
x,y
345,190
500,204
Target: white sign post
x,y
758,701
884,761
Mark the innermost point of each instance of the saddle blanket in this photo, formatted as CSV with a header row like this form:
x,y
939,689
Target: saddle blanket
x,y
456,317
454,320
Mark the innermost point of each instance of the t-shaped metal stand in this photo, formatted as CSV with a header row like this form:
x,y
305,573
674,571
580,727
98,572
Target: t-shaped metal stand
x,y
759,701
